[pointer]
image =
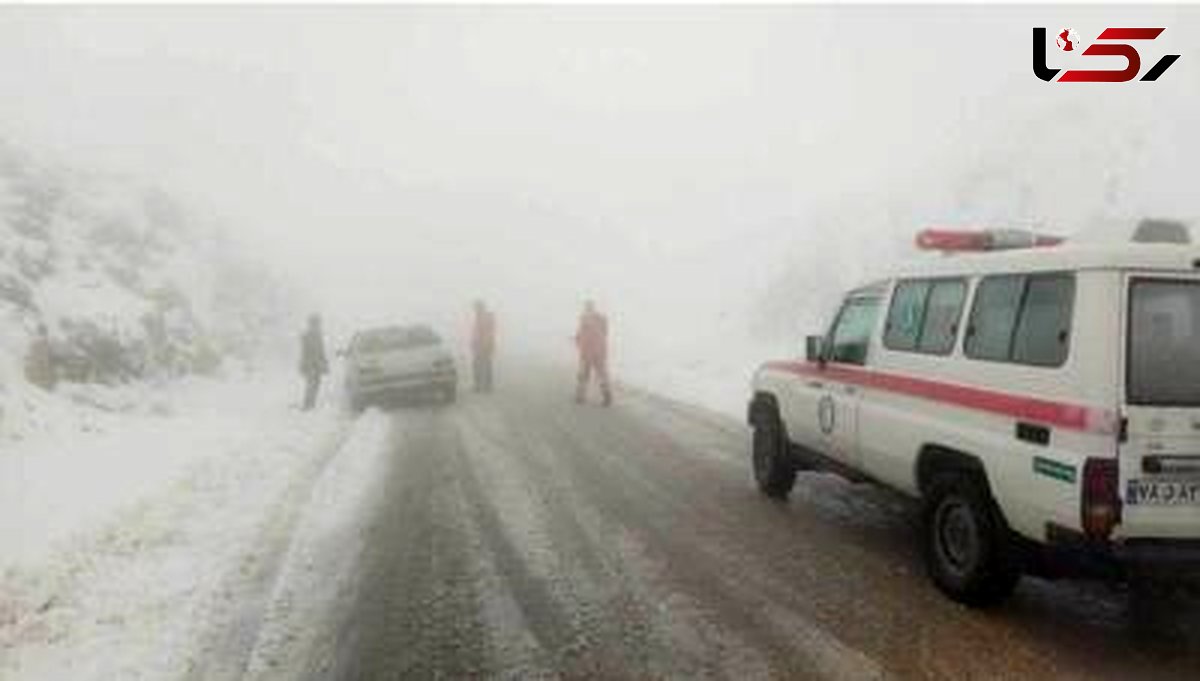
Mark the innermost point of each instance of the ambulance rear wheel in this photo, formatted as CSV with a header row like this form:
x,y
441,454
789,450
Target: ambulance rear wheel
x,y
968,546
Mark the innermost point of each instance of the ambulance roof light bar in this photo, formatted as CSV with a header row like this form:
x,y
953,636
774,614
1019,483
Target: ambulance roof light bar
x,y
982,240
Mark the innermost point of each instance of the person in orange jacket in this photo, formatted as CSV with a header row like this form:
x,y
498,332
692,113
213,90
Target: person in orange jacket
x,y
483,347
591,338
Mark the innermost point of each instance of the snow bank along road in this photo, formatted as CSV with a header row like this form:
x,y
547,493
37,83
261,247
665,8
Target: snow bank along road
x,y
518,535
142,543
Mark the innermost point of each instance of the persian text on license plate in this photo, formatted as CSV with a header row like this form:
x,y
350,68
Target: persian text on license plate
x,y
1163,492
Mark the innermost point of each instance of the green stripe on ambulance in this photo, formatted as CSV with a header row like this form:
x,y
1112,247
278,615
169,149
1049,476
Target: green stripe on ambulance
x,y
1053,469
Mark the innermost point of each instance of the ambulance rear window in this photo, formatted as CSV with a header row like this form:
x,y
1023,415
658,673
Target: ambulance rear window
x,y
1164,343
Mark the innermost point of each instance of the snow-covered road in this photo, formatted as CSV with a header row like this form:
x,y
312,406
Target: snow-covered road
x,y
518,535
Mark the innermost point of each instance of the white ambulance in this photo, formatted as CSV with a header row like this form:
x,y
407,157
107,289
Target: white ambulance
x,y
1043,402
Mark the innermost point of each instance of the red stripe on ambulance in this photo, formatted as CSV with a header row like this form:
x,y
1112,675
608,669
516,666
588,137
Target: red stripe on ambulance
x,y
1058,414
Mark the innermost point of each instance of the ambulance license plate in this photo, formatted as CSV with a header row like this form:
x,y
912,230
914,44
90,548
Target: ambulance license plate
x,y
1163,493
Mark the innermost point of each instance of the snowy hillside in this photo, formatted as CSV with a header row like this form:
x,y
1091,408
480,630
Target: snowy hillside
x,y
130,287
721,308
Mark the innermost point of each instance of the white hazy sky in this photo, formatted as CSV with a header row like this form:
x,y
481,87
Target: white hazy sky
x,y
409,158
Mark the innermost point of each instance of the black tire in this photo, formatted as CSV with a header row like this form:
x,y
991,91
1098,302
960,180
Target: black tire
x,y
969,551
774,471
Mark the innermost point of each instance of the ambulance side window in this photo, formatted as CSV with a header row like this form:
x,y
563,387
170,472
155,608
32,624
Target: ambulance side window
x,y
1043,331
942,312
1025,319
993,317
906,315
924,316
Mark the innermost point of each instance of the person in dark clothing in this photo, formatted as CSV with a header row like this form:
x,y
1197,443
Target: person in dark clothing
x,y
592,340
313,363
40,365
483,347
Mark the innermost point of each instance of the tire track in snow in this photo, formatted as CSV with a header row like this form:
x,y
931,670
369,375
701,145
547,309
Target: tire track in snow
x,y
635,625
584,623
709,575
418,613
674,637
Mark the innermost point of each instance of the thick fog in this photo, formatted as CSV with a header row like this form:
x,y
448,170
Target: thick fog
x,y
708,175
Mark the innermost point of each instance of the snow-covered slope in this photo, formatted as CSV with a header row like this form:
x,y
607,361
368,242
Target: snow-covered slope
x,y
131,287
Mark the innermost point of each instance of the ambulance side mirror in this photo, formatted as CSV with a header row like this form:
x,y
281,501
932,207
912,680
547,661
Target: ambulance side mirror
x,y
814,349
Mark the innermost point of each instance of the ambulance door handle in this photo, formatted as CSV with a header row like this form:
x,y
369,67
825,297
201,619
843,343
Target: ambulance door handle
x,y
816,385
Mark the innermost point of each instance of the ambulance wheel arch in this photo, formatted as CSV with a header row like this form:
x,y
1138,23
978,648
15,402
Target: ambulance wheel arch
x,y
763,405
935,460
1006,475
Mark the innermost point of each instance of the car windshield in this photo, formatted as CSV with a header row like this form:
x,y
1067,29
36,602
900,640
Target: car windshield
x,y
396,338
1164,343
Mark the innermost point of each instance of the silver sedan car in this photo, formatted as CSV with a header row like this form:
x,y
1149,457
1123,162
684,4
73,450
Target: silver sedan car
x,y
397,362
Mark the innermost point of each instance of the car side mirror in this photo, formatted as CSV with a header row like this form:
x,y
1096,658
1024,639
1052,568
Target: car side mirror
x,y
814,349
